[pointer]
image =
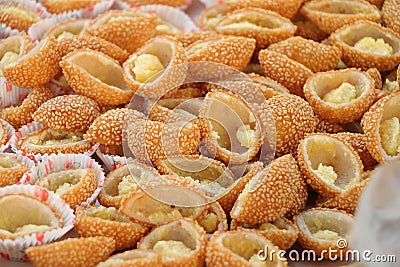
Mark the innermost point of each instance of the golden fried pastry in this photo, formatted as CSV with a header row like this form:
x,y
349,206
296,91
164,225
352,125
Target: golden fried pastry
x,y
329,164
291,108
390,15
382,128
359,143
129,30
275,191
61,6
156,67
347,200
340,96
267,86
241,248
3,133
48,141
11,169
72,43
266,27
107,128
308,30
290,73
281,232
232,51
210,16
102,221
142,208
163,114
244,173
173,3
323,126
12,48
230,128
73,113
136,257
331,15
324,229
122,181
18,16
376,77
36,67
67,28
23,215
315,56
365,44
151,140
180,243
285,8
79,252
96,75
190,37
212,175
214,219
21,113
74,186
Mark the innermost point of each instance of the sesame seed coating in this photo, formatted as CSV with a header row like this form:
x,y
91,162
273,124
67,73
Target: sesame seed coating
x,y
294,119
72,252
73,113
60,6
20,115
329,21
375,76
17,16
37,67
391,14
315,56
190,37
284,70
273,192
135,257
9,176
264,36
173,3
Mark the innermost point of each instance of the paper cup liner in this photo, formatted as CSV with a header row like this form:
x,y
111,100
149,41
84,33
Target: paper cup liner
x,y
174,16
6,31
27,161
30,128
10,133
208,3
15,249
11,95
111,162
59,162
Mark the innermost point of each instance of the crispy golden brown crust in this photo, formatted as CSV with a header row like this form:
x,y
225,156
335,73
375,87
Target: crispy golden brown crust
x,y
315,56
72,252
3,133
20,115
107,128
11,15
137,258
173,3
344,112
60,6
125,234
308,30
24,43
390,15
130,32
290,108
323,126
88,85
74,26
264,36
10,176
235,52
70,44
189,38
73,113
37,67
353,57
291,74
77,148
375,76
265,199
330,21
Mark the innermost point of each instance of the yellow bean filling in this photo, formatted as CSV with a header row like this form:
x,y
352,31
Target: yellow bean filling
x,y
375,46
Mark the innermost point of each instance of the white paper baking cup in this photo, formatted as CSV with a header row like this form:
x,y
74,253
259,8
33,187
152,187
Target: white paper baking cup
x,y
6,31
59,162
27,161
111,162
208,3
15,249
10,133
174,16
30,128
11,95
